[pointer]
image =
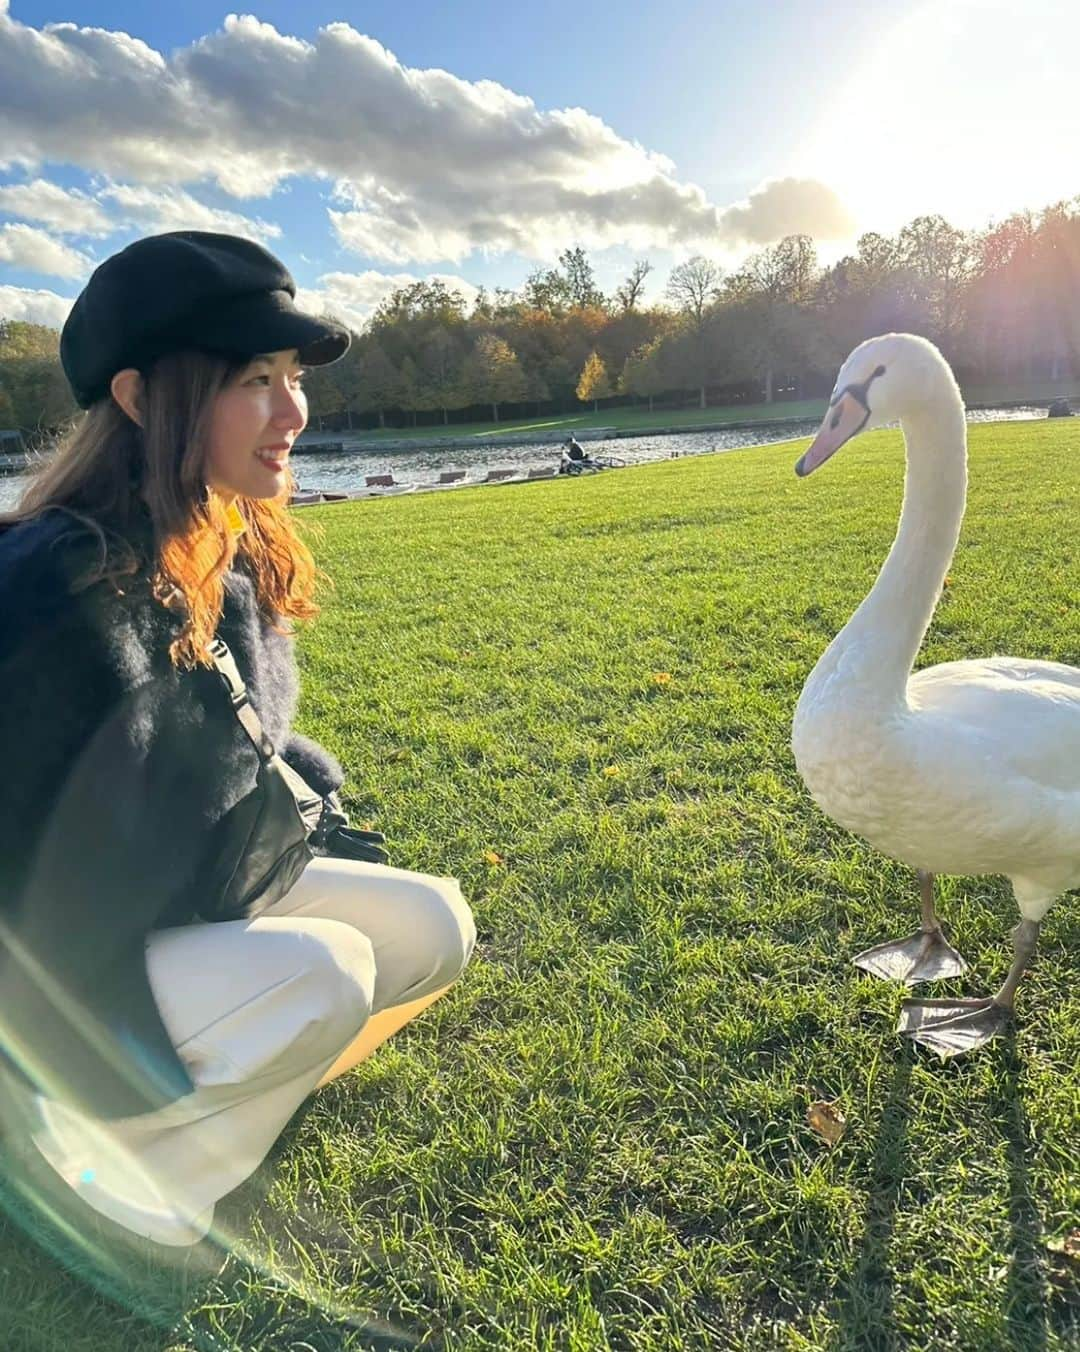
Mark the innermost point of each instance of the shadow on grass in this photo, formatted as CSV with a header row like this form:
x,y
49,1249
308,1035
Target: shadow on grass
x,y
1025,1287
865,1314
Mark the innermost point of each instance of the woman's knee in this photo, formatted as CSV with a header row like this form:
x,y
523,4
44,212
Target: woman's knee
x,y
339,979
448,927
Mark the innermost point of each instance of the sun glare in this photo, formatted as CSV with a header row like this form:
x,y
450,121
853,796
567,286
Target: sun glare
x,y
965,107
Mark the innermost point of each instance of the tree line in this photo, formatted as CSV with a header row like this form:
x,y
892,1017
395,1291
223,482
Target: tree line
x,y
1003,304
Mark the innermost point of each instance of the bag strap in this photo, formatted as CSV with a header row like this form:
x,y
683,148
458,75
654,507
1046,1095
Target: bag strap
x,y
225,666
242,707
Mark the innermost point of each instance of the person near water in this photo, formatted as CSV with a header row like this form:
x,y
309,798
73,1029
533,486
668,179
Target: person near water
x,y
573,457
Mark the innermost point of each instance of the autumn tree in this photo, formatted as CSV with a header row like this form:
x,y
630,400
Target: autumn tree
x,y
325,391
593,383
547,289
33,381
376,384
693,288
939,258
569,286
412,398
581,284
441,373
772,294
643,374
629,293
494,375
1002,310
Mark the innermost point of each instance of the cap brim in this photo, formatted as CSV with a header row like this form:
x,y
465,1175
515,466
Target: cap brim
x,y
268,321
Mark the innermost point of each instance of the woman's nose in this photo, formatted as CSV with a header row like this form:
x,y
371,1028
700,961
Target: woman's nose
x,y
290,409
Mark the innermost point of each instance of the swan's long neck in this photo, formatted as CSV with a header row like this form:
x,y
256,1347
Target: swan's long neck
x,y
873,654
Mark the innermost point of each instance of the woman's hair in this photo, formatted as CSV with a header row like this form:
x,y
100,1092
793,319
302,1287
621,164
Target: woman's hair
x,y
110,472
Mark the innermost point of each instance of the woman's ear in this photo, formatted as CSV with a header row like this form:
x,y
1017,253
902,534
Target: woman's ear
x,y
127,389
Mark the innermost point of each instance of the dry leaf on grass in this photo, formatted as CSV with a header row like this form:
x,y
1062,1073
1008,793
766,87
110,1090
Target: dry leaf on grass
x,y
1068,1245
491,857
827,1120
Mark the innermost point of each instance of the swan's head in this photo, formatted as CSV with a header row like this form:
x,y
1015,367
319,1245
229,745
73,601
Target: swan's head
x,y
883,379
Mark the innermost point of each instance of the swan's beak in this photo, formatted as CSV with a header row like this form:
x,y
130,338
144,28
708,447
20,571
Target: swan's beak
x,y
846,417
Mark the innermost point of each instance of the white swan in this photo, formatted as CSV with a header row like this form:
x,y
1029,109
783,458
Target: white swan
x,y
967,767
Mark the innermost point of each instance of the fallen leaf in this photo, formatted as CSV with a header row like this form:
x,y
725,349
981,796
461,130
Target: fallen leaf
x,y
827,1120
492,858
661,677
610,771
1069,1245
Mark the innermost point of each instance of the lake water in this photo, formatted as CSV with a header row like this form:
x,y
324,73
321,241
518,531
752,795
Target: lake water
x,y
345,471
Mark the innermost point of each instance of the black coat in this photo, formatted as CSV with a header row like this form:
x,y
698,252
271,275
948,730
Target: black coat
x,y
117,770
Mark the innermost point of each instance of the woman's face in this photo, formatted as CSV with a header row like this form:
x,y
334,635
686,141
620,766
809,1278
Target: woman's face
x,y
255,420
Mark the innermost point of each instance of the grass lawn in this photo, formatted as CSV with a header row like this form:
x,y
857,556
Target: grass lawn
x,y
598,1140
639,418
631,418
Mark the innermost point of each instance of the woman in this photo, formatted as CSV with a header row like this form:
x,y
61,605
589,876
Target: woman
x,y
155,1040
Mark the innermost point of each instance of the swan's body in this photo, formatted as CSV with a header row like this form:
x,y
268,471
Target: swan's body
x,y
968,767
976,772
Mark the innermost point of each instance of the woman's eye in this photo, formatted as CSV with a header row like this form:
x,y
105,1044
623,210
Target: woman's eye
x,y
258,380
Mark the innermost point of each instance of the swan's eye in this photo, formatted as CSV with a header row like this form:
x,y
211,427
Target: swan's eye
x,y
879,372
834,422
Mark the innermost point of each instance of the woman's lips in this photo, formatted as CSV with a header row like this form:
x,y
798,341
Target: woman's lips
x,y
273,457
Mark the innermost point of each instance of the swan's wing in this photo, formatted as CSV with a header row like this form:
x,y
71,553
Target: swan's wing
x,y
1026,712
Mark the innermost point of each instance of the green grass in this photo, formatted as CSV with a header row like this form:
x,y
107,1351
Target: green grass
x,y
629,418
640,419
598,1139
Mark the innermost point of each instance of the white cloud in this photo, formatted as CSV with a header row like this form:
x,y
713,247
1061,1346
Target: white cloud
x,y
428,166
75,213
67,212
353,297
36,307
788,206
33,250
162,209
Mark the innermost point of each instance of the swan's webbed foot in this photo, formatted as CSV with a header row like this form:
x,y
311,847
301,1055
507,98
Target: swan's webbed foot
x,y
925,955
952,1027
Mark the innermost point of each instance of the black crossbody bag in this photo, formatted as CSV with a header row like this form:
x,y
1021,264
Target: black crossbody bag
x,y
272,832
268,841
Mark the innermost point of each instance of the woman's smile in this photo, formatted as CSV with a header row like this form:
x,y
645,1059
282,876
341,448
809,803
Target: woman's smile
x,y
274,457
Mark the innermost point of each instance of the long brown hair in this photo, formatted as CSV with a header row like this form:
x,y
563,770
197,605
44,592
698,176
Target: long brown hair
x,y
111,473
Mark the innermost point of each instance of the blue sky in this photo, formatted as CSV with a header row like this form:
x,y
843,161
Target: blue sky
x,y
703,128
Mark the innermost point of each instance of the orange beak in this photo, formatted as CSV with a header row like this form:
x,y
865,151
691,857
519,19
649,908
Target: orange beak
x,y
844,418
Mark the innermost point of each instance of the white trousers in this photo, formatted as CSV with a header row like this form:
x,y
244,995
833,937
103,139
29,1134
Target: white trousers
x,y
258,1011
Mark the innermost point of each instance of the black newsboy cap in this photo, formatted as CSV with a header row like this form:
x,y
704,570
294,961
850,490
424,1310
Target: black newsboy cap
x,y
187,289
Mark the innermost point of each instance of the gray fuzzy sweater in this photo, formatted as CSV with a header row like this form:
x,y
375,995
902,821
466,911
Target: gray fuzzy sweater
x,y
119,774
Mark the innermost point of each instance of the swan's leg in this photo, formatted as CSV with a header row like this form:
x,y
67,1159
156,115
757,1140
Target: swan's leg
x,y
950,1027
922,956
